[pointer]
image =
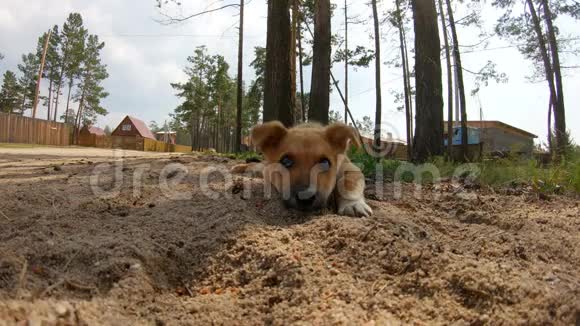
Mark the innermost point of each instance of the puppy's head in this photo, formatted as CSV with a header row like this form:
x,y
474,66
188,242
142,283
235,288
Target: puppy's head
x,y
303,161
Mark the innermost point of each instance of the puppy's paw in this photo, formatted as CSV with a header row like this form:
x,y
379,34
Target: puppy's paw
x,y
356,208
240,168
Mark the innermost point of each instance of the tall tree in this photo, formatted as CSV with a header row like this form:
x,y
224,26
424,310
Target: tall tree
x,y
10,94
346,62
71,49
90,92
398,22
459,81
378,100
52,68
29,70
240,90
278,99
562,140
449,82
539,43
301,65
428,139
320,82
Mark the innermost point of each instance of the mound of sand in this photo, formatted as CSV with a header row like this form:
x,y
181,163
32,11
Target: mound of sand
x,y
139,257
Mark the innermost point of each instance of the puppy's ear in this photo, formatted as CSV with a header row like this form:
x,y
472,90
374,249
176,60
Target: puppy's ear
x,y
340,136
268,135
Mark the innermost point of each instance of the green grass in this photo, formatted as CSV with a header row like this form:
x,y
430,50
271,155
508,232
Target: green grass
x,y
10,145
554,178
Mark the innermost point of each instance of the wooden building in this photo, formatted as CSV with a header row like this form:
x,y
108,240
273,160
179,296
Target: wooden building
x,y
93,137
495,137
130,134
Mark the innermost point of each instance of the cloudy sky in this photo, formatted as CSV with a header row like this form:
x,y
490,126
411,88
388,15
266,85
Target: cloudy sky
x,y
143,57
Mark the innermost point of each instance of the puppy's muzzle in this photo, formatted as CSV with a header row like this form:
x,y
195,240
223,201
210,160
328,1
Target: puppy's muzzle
x,y
304,198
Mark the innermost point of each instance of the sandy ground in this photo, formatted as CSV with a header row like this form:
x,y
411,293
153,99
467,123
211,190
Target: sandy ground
x,y
156,253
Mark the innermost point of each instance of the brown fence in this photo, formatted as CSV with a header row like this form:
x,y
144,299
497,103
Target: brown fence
x,y
24,130
91,140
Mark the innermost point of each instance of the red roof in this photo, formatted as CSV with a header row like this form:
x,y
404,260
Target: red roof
x,y
96,131
141,128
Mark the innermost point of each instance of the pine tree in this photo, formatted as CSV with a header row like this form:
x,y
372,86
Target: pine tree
x,y
10,94
428,139
89,91
279,102
51,68
320,85
27,81
72,41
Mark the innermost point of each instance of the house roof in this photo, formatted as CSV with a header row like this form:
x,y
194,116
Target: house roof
x,y
497,124
141,127
96,131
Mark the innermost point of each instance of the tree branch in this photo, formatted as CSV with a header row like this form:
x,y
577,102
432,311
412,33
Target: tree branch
x,y
173,20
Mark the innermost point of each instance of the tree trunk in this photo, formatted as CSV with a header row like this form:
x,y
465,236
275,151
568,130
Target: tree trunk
x,y
49,100
78,119
559,112
278,101
240,80
70,85
550,144
346,61
23,104
449,84
428,139
302,96
293,37
410,99
546,61
378,102
405,81
459,81
320,85
59,85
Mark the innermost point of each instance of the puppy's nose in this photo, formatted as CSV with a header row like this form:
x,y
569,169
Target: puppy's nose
x,y
305,197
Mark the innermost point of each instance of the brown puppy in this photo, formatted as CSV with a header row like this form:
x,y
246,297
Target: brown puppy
x,y
307,163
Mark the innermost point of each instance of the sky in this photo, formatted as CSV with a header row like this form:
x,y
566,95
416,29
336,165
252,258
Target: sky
x,y
143,57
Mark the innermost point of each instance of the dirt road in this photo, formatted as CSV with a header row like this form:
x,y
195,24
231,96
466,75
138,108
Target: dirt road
x,y
78,247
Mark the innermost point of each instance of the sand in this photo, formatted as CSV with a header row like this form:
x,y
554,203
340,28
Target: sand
x,y
170,255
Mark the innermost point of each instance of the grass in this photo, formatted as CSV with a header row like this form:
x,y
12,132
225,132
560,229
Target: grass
x,y
553,178
504,172
11,145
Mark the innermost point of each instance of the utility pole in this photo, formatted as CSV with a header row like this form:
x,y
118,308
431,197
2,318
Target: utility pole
x,y
36,94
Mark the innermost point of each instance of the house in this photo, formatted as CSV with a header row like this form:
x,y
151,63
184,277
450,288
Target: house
x,y
495,137
130,133
92,136
168,137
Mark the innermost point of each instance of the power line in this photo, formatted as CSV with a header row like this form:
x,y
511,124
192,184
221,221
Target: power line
x,y
177,35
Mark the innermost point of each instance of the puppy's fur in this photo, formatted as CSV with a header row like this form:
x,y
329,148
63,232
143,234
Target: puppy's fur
x,y
307,163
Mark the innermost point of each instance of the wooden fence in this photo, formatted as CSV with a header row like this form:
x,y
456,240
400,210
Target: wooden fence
x,y
150,145
91,140
23,130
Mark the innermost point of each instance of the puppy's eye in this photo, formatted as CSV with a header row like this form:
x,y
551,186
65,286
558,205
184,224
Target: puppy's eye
x,y
324,164
286,161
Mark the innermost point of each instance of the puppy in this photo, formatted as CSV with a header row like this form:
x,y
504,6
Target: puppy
x,y
307,163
